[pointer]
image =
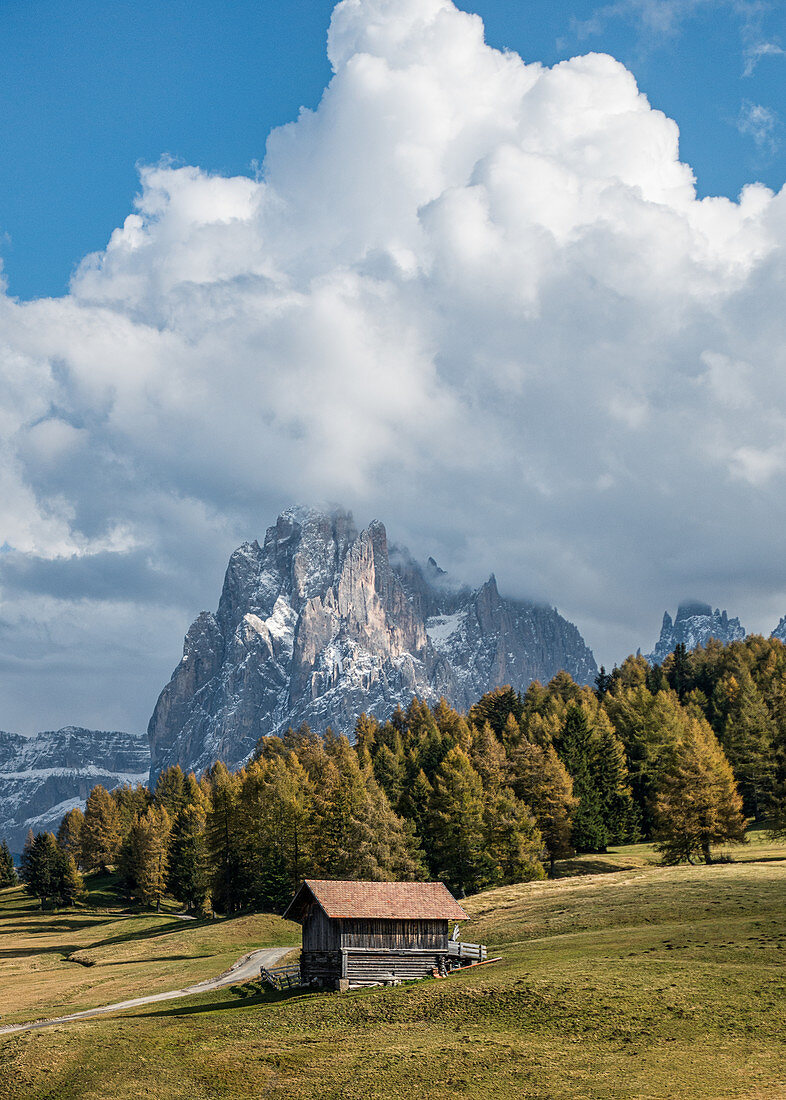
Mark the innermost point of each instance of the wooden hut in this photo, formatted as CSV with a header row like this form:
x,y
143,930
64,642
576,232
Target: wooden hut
x,y
371,933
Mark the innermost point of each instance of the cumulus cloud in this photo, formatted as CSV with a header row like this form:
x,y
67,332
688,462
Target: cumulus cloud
x,y
476,298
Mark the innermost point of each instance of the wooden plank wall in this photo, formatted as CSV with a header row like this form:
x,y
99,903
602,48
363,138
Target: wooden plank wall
x,y
391,934
370,968
320,933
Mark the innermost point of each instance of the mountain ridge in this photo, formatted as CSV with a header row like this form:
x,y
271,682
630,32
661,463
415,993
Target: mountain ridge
x,y
323,621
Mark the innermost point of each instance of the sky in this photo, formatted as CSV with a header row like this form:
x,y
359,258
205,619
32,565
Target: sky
x,y
506,275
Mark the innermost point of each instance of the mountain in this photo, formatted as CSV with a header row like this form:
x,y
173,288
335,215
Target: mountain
x,y
694,625
780,631
44,776
323,622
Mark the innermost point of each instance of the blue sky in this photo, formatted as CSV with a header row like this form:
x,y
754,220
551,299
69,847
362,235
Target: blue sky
x,y
90,89
473,297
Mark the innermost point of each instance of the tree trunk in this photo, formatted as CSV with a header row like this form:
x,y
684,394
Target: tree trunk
x,y
705,851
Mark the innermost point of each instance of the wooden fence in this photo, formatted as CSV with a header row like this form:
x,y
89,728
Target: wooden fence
x,y
281,977
464,953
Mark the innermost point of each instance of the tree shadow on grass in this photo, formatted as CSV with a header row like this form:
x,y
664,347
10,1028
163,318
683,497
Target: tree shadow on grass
x,y
153,959
576,868
246,996
31,952
146,933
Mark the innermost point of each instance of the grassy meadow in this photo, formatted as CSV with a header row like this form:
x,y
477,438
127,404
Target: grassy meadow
x,y
52,963
622,979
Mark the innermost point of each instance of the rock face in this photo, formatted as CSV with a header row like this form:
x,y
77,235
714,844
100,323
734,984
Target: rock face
x,y
322,622
694,625
780,631
44,776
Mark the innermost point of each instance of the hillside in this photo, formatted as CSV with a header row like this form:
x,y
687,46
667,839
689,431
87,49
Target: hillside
x,y
649,982
100,953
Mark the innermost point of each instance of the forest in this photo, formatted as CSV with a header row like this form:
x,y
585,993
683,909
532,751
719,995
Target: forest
x,y
686,754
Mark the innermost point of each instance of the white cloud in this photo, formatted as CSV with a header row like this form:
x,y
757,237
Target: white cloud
x,y
756,51
476,298
760,123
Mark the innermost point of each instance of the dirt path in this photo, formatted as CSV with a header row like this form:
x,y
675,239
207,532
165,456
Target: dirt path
x,y
244,970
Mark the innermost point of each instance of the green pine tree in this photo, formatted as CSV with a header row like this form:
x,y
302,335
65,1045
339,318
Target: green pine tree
x,y
577,751
8,876
187,866
40,867
457,825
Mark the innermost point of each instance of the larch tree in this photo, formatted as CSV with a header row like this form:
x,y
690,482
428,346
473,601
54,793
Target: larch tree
x,y
223,831
69,833
542,782
101,832
698,803
511,838
170,789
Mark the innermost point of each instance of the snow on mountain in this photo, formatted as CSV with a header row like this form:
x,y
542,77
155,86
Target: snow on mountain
x,y
694,625
44,776
322,622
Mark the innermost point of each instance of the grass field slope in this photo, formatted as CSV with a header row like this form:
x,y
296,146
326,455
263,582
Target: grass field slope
x,y
629,980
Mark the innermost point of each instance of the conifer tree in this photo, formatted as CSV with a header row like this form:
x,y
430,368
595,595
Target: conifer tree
x,y
698,803
678,670
747,734
577,752
366,730
70,885
414,807
388,768
187,867
357,834
457,825
170,790
40,867
602,683
541,781
131,803
69,834
193,795
101,833
512,840
8,876
143,857
496,707
223,831
610,774
489,758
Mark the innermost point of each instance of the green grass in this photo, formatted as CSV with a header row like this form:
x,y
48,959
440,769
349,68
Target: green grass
x,y
645,984
53,962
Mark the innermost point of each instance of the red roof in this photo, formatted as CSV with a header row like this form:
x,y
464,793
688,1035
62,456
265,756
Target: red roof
x,y
378,900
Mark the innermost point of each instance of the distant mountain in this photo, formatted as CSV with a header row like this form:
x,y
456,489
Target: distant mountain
x,y
323,622
694,625
44,776
780,631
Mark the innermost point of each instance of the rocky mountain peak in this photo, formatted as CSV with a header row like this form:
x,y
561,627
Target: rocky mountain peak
x,y
323,621
694,625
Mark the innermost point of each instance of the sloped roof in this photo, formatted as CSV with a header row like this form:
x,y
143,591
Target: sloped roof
x,y
378,900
